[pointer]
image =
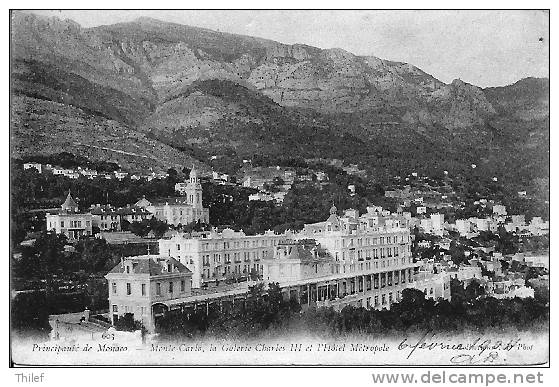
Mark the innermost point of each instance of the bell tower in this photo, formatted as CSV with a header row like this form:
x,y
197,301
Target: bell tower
x,y
194,189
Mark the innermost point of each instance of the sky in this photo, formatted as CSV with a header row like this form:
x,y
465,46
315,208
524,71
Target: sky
x,y
485,48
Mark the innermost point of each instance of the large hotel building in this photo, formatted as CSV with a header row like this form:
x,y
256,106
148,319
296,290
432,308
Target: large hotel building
x,y
361,260
213,257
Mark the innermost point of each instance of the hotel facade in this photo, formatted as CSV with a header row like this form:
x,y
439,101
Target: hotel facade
x,y
360,260
216,256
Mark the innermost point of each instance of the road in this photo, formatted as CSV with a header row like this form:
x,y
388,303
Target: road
x,y
69,326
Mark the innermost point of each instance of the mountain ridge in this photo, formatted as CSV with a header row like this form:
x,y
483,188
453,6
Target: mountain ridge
x,y
142,73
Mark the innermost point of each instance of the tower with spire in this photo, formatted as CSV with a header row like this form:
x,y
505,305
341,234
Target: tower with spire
x,y
70,221
194,189
69,204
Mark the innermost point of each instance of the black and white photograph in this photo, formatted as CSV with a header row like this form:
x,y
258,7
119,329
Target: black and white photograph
x,y
279,188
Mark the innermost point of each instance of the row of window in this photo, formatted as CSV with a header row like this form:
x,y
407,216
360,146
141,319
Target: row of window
x,y
74,223
111,217
237,269
373,253
245,244
246,256
384,300
375,264
142,310
158,288
380,280
355,285
109,226
391,239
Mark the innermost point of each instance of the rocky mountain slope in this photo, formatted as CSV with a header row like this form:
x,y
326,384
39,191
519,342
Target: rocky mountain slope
x,y
202,92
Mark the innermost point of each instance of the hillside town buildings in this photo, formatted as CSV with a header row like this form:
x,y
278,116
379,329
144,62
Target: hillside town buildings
x,y
69,221
180,210
134,214
350,258
106,218
36,166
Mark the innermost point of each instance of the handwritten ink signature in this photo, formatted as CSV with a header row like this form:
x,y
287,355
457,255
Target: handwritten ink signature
x,y
468,359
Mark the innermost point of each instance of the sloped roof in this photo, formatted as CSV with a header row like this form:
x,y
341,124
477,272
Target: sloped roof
x,y
181,200
304,250
104,210
133,210
150,264
143,202
69,202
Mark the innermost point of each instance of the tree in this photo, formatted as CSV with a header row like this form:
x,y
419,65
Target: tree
x,y
139,228
44,258
254,275
127,323
125,225
158,227
457,292
255,292
507,242
30,314
412,307
275,297
173,174
93,255
456,252
146,225
474,290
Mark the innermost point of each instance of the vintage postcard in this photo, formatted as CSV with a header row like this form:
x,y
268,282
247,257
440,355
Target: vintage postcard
x,y
279,188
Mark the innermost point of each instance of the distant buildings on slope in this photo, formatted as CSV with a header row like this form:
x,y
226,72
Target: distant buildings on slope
x,y
180,210
174,211
69,221
75,173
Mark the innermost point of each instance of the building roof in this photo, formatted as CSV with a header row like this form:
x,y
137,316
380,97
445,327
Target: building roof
x,y
104,210
179,200
150,264
133,210
306,250
69,203
143,202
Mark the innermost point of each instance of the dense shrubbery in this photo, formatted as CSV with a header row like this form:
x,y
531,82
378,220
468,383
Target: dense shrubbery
x,y
270,314
47,257
144,227
30,315
72,280
127,323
